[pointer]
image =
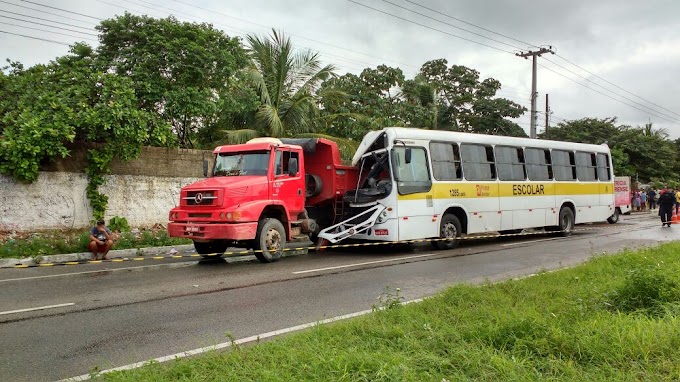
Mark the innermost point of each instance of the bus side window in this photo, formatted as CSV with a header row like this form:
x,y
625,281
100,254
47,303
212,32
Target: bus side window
x,y
538,164
412,177
478,162
564,165
510,163
445,161
603,168
586,166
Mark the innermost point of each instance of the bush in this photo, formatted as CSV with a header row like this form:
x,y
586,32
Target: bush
x,y
645,290
118,223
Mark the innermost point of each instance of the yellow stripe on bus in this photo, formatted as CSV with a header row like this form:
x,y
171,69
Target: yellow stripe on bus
x,y
505,189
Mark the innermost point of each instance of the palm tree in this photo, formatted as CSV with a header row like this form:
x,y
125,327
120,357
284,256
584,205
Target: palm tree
x,y
287,81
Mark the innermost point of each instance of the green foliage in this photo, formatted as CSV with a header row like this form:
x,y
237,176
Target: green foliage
x,y
647,290
548,327
119,224
286,81
179,70
644,151
54,243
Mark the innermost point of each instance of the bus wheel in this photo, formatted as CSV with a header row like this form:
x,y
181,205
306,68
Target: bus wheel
x,y
615,217
450,229
566,223
270,240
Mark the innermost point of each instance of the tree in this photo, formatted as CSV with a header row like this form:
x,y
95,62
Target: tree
x,y
47,106
179,70
642,151
467,104
373,101
286,83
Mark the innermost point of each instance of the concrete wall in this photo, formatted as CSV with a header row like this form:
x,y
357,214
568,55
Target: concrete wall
x,y
143,191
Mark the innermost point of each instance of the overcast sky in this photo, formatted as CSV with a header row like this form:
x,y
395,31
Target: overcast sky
x,y
634,45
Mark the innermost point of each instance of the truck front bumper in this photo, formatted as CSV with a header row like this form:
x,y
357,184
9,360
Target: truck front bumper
x,y
221,231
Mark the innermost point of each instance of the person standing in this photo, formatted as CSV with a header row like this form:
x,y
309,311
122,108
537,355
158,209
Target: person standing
x,y
651,198
666,204
677,200
636,201
101,240
643,200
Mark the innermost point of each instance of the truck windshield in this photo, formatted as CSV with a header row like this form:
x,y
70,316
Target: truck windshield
x,y
241,164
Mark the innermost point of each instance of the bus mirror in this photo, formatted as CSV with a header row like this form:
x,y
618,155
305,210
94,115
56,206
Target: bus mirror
x,y
205,168
407,156
292,166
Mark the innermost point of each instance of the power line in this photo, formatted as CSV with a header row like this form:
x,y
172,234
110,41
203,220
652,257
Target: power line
x,y
606,95
48,20
451,25
41,11
298,36
429,27
609,90
63,10
471,24
633,94
35,38
41,30
47,25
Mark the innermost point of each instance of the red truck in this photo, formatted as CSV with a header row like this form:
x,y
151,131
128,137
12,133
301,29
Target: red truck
x,y
262,194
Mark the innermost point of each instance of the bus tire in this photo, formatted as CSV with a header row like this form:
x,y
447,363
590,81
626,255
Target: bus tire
x,y
270,240
566,222
615,217
450,228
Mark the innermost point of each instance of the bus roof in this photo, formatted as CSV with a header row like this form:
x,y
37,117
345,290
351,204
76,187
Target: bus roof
x,y
406,133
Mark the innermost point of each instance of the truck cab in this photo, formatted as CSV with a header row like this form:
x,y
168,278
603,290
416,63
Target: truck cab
x,y
259,195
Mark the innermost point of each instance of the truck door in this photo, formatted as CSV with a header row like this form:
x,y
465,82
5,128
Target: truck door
x,y
287,186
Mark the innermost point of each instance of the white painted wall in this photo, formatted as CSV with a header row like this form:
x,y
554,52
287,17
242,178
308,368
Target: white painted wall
x,y
57,200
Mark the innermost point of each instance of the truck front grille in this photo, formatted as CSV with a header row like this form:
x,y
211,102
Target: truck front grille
x,y
200,198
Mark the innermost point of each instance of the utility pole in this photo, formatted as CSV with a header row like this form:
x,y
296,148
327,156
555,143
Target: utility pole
x,y
534,95
547,112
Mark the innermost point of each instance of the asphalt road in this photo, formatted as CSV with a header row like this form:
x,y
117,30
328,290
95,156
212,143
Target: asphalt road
x,y
109,315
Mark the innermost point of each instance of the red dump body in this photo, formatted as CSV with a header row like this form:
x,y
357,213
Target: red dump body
x,y
257,180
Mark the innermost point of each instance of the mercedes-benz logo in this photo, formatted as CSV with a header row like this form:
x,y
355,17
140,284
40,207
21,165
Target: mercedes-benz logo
x,y
198,198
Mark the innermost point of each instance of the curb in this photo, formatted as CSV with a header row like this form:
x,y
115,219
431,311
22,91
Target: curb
x,y
80,256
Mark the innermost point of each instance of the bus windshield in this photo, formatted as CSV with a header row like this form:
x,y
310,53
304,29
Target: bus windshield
x,y
241,164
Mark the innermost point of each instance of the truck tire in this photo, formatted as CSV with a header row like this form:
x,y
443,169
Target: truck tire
x,y
210,248
450,228
313,185
270,240
615,217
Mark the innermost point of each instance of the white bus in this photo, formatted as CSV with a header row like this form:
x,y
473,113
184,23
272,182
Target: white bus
x,y
421,184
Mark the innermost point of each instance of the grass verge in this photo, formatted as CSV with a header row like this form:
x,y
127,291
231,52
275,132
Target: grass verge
x,y
614,318
60,242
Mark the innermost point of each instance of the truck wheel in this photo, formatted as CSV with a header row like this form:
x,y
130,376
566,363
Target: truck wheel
x,y
450,228
615,217
270,240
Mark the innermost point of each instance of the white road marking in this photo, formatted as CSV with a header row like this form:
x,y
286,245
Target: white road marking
x,y
530,241
365,263
223,345
38,308
99,271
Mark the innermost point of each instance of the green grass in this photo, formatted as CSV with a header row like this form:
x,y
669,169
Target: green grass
x,y
612,319
57,242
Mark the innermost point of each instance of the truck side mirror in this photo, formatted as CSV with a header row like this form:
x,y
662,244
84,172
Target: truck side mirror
x,y
205,168
407,155
292,166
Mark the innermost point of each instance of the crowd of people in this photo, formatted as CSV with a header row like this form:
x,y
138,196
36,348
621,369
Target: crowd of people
x,y
666,200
